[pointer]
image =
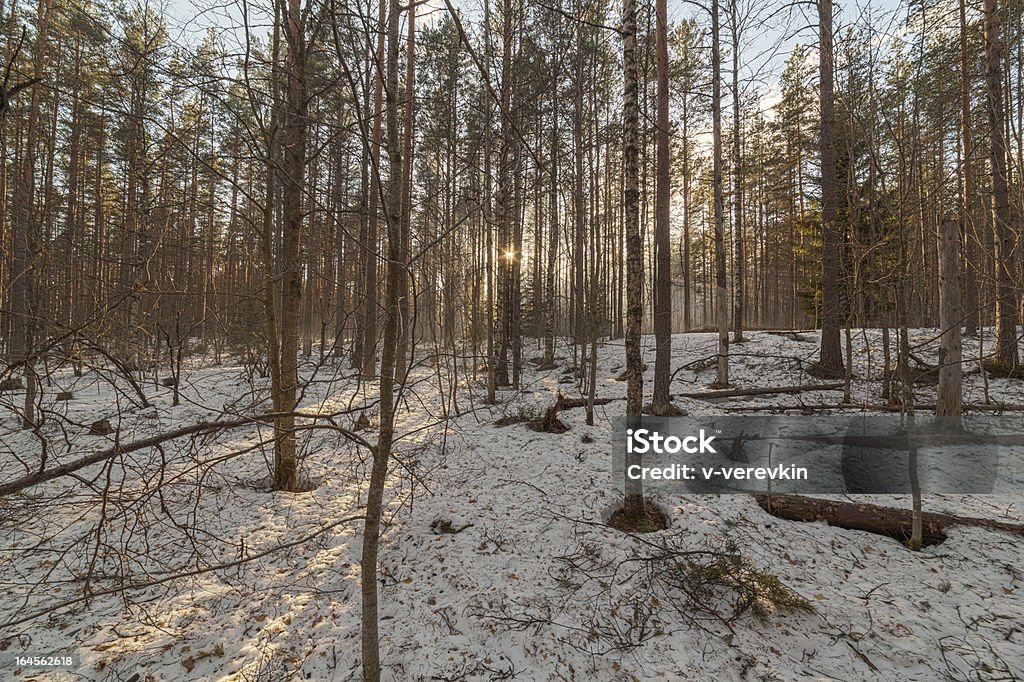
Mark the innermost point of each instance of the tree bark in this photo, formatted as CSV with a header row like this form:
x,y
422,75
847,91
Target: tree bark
x,y
1007,295
660,403
26,242
552,251
369,344
967,224
830,359
295,123
949,399
404,302
633,506
389,349
721,285
737,190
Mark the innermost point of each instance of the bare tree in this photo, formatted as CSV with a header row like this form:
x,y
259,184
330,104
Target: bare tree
x,y
392,341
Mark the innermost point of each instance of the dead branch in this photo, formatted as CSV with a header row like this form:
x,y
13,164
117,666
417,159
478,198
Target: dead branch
x,y
869,408
738,392
200,428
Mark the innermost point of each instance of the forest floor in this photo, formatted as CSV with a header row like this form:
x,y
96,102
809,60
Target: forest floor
x,y
495,564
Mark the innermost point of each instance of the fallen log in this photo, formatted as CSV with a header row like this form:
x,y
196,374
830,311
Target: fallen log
x,y
569,403
868,408
890,521
739,392
780,330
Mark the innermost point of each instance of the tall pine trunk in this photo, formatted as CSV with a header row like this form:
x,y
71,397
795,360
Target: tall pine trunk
x,y
294,162
721,286
26,242
1007,294
949,398
830,358
737,190
633,506
660,403
967,224
404,302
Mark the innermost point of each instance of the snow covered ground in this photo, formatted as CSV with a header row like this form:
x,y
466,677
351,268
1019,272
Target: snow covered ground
x,y
495,564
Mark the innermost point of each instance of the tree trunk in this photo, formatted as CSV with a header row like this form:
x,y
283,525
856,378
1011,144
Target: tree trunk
x,y
552,254
948,401
505,206
737,152
404,303
830,359
390,345
295,123
634,501
1007,295
26,242
662,242
579,261
488,218
687,296
721,286
967,225
369,345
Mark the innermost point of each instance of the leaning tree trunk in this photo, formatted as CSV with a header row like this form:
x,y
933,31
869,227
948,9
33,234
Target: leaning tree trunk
x,y
633,506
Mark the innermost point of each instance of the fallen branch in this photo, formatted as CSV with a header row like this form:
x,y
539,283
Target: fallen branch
x,y
569,403
890,521
200,428
737,392
868,408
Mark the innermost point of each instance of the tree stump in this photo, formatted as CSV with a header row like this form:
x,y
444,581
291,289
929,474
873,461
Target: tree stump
x,y
101,427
